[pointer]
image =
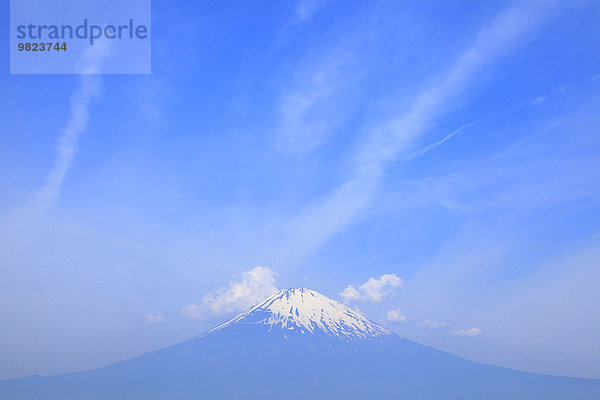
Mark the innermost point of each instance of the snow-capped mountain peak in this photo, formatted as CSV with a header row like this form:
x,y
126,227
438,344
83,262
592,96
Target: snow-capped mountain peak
x,y
307,311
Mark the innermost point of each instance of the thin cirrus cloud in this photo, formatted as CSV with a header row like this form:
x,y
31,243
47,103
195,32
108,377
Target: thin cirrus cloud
x,y
429,324
387,140
81,99
83,95
155,319
473,331
374,290
305,10
303,14
432,146
253,286
312,110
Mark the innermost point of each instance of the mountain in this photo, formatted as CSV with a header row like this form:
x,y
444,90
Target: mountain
x,y
299,344
306,311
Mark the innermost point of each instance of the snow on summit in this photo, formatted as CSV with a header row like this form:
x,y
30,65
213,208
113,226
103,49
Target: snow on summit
x,y
306,310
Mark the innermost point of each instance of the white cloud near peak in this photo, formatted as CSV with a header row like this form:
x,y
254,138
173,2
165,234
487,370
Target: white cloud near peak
x,y
374,290
473,331
396,316
253,286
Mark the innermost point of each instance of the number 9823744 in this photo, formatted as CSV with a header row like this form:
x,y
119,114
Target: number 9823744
x,y
49,46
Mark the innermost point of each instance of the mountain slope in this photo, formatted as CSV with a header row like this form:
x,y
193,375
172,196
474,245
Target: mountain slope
x,y
299,344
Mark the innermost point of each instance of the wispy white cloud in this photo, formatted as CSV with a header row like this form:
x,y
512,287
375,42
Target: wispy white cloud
x,y
305,10
303,14
387,140
538,100
557,173
318,99
473,331
432,146
374,290
396,135
155,319
81,99
396,316
429,324
304,122
85,93
253,286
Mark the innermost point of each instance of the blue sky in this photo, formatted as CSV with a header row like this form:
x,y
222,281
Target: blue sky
x,y
449,151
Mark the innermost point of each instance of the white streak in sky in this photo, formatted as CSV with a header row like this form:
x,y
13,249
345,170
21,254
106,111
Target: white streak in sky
x,y
89,89
386,142
432,146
